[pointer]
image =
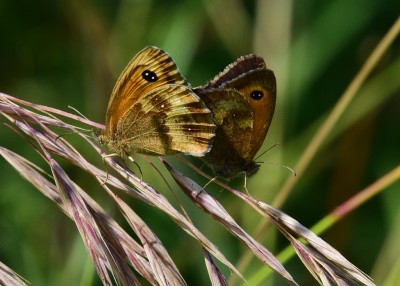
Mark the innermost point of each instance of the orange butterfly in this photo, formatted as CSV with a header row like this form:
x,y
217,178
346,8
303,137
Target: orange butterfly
x,y
154,111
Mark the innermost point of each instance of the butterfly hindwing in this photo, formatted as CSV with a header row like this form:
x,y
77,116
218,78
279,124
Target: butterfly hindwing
x,y
167,120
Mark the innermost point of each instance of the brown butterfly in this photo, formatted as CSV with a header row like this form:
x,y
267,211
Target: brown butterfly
x,y
242,99
154,111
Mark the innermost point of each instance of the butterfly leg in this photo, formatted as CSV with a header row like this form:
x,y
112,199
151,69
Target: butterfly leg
x,y
245,183
204,187
209,182
106,166
137,165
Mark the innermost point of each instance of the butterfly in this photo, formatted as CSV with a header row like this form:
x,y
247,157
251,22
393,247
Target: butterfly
x,y
153,110
242,99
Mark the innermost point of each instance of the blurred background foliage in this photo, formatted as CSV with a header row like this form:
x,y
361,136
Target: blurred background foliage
x,y
61,53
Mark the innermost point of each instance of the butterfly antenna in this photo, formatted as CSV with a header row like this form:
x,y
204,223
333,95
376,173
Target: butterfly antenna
x,y
270,148
77,111
279,165
83,129
62,135
209,182
74,132
137,165
282,166
83,116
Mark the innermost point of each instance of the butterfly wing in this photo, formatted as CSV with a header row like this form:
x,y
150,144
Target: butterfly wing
x,y
132,84
240,67
250,84
150,78
259,89
170,119
234,120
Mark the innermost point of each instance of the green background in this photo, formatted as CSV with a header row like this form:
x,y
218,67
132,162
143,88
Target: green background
x,y
61,53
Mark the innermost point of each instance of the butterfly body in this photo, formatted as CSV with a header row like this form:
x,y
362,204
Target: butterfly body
x,y
242,99
154,111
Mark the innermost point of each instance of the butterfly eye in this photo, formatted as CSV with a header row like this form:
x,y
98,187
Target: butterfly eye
x,y
149,76
256,94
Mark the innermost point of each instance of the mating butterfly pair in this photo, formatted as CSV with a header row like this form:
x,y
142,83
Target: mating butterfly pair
x,y
153,110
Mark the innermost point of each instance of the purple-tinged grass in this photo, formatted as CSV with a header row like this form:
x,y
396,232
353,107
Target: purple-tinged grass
x,y
110,248
9,277
114,253
216,277
212,207
324,262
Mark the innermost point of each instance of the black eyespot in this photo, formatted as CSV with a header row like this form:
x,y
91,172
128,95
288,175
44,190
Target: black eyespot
x,y
149,76
257,94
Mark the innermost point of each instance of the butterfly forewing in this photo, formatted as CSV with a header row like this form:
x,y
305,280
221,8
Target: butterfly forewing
x,y
244,87
131,84
153,110
263,81
167,120
234,119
